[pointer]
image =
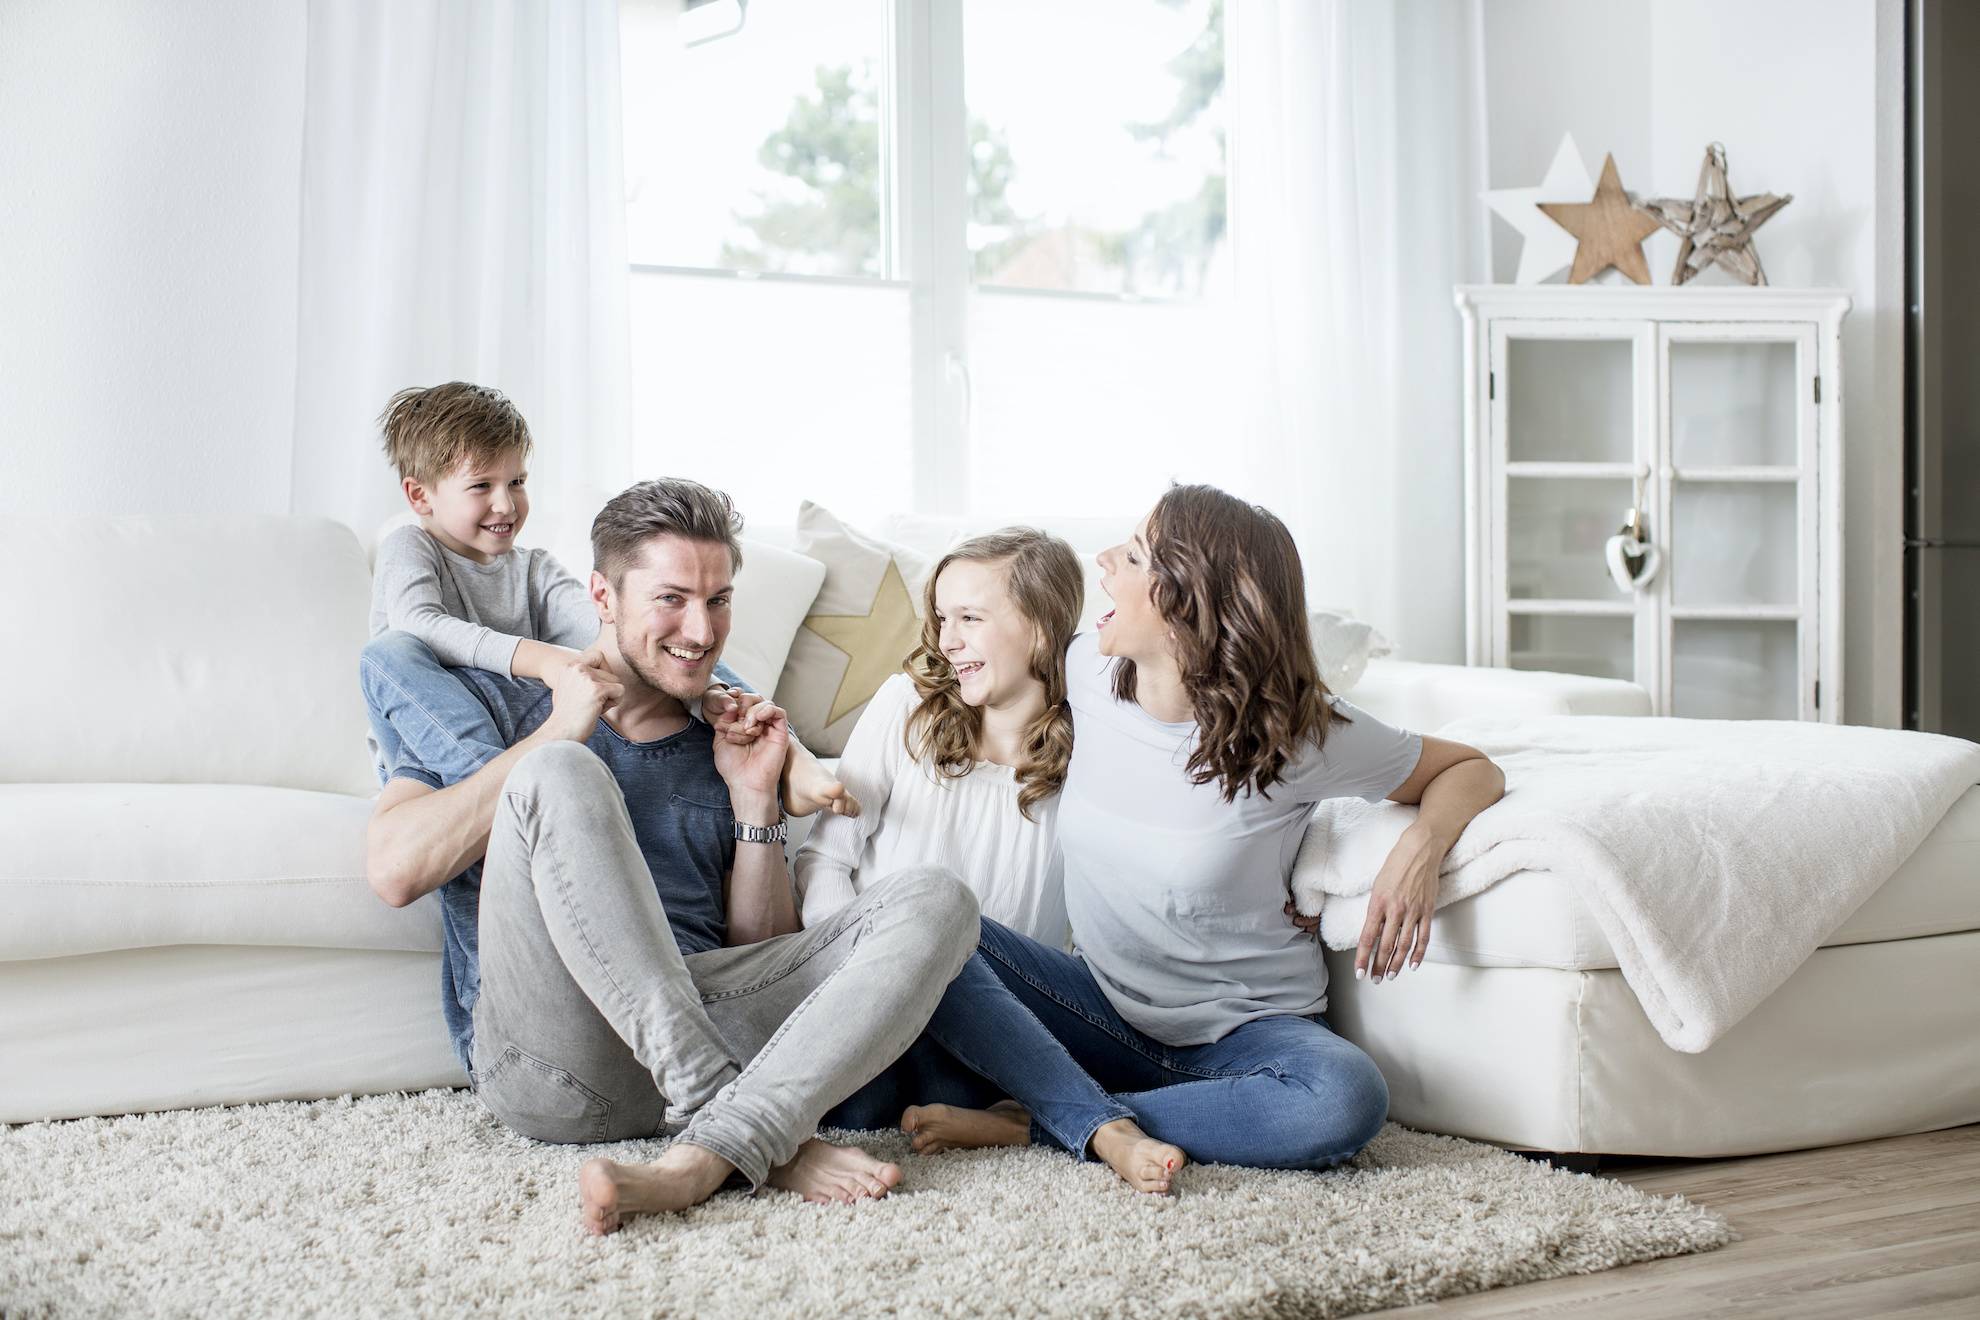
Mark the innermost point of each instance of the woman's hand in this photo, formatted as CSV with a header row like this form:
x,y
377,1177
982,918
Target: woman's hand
x,y
1397,930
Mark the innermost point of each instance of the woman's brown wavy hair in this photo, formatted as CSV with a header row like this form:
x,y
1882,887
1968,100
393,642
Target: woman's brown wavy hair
x,y
1042,577
1225,576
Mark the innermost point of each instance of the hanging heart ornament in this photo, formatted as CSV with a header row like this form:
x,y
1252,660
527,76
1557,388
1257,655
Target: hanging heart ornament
x,y
1633,560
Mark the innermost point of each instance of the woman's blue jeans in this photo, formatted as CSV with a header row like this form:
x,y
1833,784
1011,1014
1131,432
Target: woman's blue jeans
x,y
1276,1093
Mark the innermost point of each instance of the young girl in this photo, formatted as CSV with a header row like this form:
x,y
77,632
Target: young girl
x,y
1205,736
959,760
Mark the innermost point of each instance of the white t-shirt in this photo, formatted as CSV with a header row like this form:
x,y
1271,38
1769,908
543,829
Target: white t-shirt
x,y
1176,898
913,816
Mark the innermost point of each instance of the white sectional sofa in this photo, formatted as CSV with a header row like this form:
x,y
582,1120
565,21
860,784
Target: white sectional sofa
x,y
184,918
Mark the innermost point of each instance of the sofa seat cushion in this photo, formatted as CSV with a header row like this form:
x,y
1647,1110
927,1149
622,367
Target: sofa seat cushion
x,y
1538,919
91,868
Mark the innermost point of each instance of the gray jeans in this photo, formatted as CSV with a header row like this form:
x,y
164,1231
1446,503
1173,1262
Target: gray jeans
x,y
591,1026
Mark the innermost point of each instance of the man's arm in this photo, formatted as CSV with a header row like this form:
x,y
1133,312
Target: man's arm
x,y
420,837
758,893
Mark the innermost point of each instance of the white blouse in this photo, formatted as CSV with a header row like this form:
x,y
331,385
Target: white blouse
x,y
913,816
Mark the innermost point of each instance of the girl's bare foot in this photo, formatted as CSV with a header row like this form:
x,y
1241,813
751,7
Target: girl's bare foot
x,y
936,1128
831,1174
1145,1164
809,787
683,1176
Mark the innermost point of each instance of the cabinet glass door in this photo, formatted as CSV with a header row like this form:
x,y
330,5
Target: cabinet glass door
x,y
1570,453
1739,493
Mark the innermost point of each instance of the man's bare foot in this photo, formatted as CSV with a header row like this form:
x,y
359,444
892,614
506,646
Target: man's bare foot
x,y
1145,1164
936,1128
809,787
684,1175
831,1174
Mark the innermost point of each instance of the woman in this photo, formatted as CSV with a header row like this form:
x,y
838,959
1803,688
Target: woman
x,y
1205,736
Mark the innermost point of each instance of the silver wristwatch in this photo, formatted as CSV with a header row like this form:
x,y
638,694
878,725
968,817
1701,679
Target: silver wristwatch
x,y
777,833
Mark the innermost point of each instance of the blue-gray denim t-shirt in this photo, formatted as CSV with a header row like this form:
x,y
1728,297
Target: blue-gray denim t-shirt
x,y
680,816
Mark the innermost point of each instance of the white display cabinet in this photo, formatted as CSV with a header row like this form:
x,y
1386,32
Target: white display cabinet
x,y
1714,414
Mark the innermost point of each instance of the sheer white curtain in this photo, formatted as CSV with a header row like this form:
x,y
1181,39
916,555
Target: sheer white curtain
x,y
463,217
1358,152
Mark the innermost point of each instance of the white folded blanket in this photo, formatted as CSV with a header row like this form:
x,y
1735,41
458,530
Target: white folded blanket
x,y
1717,855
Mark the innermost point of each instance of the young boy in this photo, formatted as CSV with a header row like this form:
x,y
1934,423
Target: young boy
x,y
467,596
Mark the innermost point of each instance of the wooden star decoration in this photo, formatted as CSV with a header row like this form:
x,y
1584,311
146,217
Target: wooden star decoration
x,y
1610,229
875,642
1715,227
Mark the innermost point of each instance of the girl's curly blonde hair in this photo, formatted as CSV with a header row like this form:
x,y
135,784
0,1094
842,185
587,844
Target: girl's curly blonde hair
x,y
1042,577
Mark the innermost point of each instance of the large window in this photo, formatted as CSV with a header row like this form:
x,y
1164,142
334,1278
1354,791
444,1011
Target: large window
x,y
960,256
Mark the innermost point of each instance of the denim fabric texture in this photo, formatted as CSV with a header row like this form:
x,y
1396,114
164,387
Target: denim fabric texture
x,y
1029,1021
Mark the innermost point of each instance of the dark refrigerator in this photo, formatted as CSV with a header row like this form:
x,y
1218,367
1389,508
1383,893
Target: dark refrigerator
x,y
1942,404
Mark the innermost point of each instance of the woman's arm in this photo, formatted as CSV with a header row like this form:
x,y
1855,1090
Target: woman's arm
x,y
1451,783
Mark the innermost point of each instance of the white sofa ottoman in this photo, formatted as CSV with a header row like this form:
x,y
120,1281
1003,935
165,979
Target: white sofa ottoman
x,y
1519,1028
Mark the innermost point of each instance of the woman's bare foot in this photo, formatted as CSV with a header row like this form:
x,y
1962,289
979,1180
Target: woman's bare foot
x,y
827,1174
809,787
1145,1164
683,1176
936,1128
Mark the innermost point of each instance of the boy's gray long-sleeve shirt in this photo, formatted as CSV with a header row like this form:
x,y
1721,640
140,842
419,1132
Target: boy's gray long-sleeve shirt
x,y
473,615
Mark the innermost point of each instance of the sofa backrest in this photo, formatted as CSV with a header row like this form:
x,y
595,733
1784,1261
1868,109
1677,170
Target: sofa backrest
x,y
181,650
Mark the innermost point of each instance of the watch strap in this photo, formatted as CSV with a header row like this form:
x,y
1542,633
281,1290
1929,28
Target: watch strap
x,y
778,833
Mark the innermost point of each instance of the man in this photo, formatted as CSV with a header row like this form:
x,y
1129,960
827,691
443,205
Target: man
x,y
628,961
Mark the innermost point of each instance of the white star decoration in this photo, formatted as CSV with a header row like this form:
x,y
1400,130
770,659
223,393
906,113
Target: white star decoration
x,y
1549,249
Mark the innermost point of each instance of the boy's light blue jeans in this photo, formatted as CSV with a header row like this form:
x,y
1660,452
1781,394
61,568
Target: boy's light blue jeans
x,y
1276,1093
416,702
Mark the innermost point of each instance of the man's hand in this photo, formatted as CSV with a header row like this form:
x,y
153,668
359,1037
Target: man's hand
x,y
750,745
721,702
580,692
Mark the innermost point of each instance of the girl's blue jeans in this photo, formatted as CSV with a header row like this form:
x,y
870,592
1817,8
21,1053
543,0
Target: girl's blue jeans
x,y
1029,1022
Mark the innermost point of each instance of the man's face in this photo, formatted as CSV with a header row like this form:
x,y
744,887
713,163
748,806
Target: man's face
x,y
670,613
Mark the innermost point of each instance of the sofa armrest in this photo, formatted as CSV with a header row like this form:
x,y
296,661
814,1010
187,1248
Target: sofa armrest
x,y
1425,697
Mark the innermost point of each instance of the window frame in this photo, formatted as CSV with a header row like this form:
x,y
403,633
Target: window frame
x,y
924,216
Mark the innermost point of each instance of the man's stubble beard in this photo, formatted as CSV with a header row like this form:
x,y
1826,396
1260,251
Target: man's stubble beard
x,y
659,683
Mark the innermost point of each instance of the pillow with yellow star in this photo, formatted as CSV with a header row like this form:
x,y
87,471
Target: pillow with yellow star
x,y
864,622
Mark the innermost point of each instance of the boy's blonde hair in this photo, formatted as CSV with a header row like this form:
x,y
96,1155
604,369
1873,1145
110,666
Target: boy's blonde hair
x,y
431,431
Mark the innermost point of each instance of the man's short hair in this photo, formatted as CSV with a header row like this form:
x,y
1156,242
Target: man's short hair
x,y
665,506
431,431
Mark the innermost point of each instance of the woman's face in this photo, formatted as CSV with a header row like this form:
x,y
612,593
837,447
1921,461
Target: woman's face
x,y
984,635
1132,628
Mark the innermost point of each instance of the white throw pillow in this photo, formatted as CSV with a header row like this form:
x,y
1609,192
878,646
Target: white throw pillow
x,y
860,629
774,591
1343,646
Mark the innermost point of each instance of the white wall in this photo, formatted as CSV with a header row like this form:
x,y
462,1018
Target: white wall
x,y
1806,96
150,159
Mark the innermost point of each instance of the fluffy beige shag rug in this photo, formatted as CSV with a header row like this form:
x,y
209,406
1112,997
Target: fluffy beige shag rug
x,y
423,1204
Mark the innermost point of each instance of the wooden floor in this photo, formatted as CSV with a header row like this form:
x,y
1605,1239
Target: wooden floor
x,y
1884,1228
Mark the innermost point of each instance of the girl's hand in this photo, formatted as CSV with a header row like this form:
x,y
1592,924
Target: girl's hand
x,y
1397,930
